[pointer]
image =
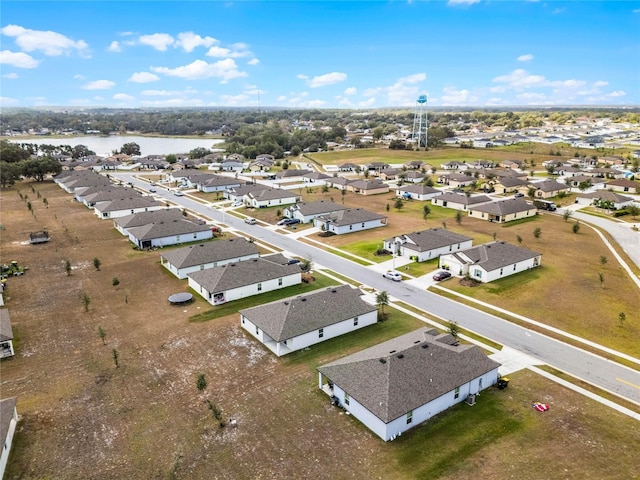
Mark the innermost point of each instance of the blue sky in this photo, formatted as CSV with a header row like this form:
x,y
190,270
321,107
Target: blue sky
x,y
347,54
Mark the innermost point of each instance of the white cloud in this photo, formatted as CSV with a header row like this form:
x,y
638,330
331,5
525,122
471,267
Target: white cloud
x,y
48,42
79,77
367,103
123,97
415,78
282,98
253,61
159,41
326,79
189,41
143,77
223,69
343,101
498,89
462,2
99,85
525,58
617,93
160,93
315,103
600,83
520,79
114,47
238,50
531,96
233,100
11,76
351,91
302,77
8,102
173,102
453,96
18,59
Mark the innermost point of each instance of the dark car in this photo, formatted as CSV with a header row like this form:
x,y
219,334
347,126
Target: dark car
x,y
288,221
441,276
519,195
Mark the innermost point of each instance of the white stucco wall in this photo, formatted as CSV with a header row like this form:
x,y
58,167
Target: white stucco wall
x,y
247,290
6,449
182,273
310,338
174,239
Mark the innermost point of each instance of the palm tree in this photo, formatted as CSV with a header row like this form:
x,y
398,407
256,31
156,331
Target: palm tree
x,y
382,299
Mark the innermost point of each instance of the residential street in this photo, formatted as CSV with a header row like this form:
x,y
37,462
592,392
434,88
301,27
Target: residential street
x,y
593,369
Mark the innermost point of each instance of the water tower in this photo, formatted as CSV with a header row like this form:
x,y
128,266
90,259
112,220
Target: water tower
x,y
419,134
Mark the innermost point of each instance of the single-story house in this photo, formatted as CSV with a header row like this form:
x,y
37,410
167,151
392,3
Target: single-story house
x,y
71,180
417,192
591,182
416,165
377,166
217,183
8,423
165,233
389,173
194,258
285,326
350,220
490,261
348,167
504,210
549,188
612,200
401,383
412,176
121,207
292,173
512,164
623,185
508,184
340,183
459,201
232,281
6,335
238,193
456,180
307,212
368,187
427,244
315,177
90,196
145,218
269,197
454,165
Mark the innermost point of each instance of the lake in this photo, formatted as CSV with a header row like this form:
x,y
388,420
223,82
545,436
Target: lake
x,y
105,146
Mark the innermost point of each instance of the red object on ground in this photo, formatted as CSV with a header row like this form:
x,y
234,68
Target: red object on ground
x,y
541,407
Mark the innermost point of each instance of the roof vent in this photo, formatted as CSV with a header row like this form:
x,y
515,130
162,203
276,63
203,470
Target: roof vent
x,y
417,341
392,351
303,299
382,360
286,303
400,355
425,345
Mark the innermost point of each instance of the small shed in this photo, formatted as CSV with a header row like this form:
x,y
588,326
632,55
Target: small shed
x,y
39,237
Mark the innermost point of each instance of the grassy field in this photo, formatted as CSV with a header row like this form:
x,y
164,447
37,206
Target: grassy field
x,y
83,417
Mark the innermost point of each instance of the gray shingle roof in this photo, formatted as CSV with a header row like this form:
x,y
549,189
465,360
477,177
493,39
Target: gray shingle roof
x,y
179,226
400,375
432,238
350,216
607,196
550,186
240,274
315,208
505,207
6,332
271,194
368,184
209,252
462,199
513,182
419,189
291,317
292,173
119,204
145,218
7,407
492,256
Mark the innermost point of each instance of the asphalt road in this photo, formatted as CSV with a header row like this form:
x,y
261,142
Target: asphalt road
x,y
591,368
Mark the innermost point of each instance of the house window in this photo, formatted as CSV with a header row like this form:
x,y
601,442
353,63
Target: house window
x,y
195,235
501,271
355,322
201,267
347,397
259,287
409,417
242,320
456,392
450,247
279,282
321,333
350,227
480,384
362,225
514,267
257,331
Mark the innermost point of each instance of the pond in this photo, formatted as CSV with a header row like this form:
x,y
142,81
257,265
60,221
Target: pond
x,y
105,146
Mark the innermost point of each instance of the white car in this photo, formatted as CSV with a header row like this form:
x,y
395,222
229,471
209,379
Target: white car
x,y
237,203
250,221
392,275
178,193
